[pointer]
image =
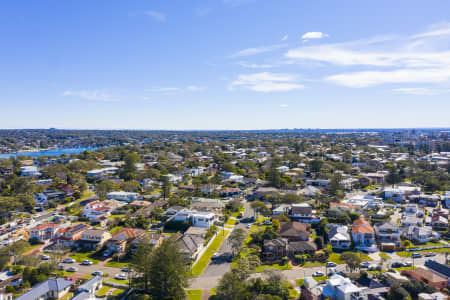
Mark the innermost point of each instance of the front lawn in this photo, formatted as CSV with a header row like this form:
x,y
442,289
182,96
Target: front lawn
x,y
384,255
409,253
103,291
310,264
231,221
203,262
194,294
80,256
429,244
117,264
261,268
117,292
300,281
113,280
320,278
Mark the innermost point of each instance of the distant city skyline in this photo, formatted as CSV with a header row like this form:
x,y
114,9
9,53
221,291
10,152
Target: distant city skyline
x,y
225,64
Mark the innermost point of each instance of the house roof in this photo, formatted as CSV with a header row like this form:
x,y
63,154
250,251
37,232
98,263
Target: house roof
x,y
279,242
87,286
302,246
361,225
39,290
126,233
294,229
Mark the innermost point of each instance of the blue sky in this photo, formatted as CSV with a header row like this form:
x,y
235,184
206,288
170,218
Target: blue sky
x,y
224,64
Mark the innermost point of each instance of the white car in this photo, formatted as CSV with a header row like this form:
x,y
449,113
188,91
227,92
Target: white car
x,y
331,264
365,264
44,257
318,273
120,276
86,262
68,260
72,269
249,226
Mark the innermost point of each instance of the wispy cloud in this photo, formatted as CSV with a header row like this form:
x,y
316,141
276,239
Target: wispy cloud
x,y
156,15
285,38
420,91
173,90
267,82
284,105
93,95
254,66
371,78
313,35
421,58
258,50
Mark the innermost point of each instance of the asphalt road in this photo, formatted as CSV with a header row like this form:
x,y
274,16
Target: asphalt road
x,y
218,269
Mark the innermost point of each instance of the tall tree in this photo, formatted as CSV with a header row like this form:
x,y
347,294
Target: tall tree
x,y
168,272
236,239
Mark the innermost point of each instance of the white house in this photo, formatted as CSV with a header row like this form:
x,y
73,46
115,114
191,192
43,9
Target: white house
x,y
198,219
339,237
122,196
29,171
421,234
94,210
283,169
102,172
341,288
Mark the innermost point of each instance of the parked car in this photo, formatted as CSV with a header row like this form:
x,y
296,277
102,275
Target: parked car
x,y
416,255
120,276
68,260
331,264
72,269
365,264
407,264
397,264
429,254
125,269
44,257
373,267
267,222
97,273
429,260
318,273
86,262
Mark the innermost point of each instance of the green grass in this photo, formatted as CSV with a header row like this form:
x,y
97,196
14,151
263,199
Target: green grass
x,y
80,256
203,262
194,294
409,253
112,280
115,229
293,294
336,258
429,244
103,291
384,255
117,292
320,278
300,281
274,266
67,296
310,264
112,217
212,291
404,268
231,221
117,264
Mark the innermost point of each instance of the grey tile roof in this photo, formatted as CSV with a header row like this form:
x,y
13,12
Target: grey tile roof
x,y
39,290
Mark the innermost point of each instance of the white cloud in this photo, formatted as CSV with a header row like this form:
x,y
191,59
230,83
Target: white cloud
x,y
285,38
438,30
419,91
195,88
314,35
93,95
172,90
156,15
283,105
372,78
258,50
255,66
267,82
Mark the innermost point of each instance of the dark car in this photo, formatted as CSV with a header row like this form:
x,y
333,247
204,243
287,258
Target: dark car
x,y
397,264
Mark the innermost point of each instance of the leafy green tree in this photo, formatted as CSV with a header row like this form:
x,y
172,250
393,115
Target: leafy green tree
x,y
104,188
168,272
166,186
352,260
